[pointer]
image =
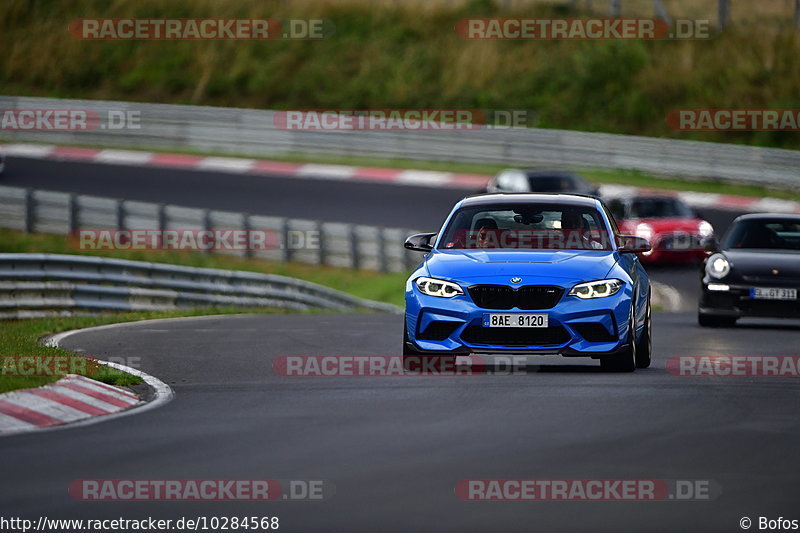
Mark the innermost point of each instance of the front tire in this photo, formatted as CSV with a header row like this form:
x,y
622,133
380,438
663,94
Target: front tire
x,y
644,352
408,349
625,361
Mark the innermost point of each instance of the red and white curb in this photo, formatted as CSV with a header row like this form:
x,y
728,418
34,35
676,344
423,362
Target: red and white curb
x,y
76,400
70,399
423,178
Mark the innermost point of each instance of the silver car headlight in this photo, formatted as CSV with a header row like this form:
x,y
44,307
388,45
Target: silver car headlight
x,y
597,289
718,266
438,287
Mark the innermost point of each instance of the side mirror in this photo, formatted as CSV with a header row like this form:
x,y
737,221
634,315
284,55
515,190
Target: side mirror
x,y
710,244
631,244
421,242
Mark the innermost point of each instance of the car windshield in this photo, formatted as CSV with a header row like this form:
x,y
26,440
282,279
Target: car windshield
x,y
554,183
527,227
659,208
775,234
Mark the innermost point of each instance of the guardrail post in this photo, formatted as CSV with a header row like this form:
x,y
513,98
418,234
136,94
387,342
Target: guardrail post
x,y
724,13
30,207
207,223
120,214
248,252
661,11
287,252
321,256
162,217
74,216
409,260
355,260
383,263
797,13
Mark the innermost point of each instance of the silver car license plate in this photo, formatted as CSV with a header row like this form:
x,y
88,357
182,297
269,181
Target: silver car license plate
x,y
772,293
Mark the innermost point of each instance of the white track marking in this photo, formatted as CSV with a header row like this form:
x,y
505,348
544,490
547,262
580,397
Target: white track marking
x,y
326,171
226,164
427,178
38,151
123,157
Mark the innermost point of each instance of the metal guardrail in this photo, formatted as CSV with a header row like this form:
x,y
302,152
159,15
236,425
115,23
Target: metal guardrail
x,y
253,132
334,244
40,284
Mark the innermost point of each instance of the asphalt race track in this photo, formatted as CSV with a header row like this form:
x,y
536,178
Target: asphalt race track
x,y
405,206
394,448
377,204
316,199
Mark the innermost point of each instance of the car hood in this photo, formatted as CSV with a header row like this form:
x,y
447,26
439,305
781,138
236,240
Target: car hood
x,y
469,265
763,262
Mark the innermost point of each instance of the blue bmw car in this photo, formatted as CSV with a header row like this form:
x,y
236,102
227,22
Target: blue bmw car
x,y
532,274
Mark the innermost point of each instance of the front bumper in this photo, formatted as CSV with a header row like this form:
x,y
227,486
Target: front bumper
x,y
736,302
577,328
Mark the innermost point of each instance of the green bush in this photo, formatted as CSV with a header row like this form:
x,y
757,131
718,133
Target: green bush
x,y
391,55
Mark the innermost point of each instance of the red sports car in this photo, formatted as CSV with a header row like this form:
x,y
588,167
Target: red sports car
x,y
674,230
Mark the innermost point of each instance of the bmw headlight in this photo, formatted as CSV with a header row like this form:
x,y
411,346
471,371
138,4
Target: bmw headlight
x,y
596,289
438,287
718,266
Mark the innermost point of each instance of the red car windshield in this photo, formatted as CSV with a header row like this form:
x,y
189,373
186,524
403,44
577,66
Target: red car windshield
x,y
659,208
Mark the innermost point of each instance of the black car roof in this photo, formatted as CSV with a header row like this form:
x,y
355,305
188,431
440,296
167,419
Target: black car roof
x,y
546,173
768,216
525,198
651,196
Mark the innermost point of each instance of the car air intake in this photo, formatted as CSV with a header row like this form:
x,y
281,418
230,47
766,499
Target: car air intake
x,y
552,336
594,332
438,330
528,297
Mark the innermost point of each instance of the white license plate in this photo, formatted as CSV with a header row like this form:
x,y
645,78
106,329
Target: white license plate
x,y
515,320
759,293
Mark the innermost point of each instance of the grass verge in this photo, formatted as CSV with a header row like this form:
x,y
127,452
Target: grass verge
x,y
406,55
